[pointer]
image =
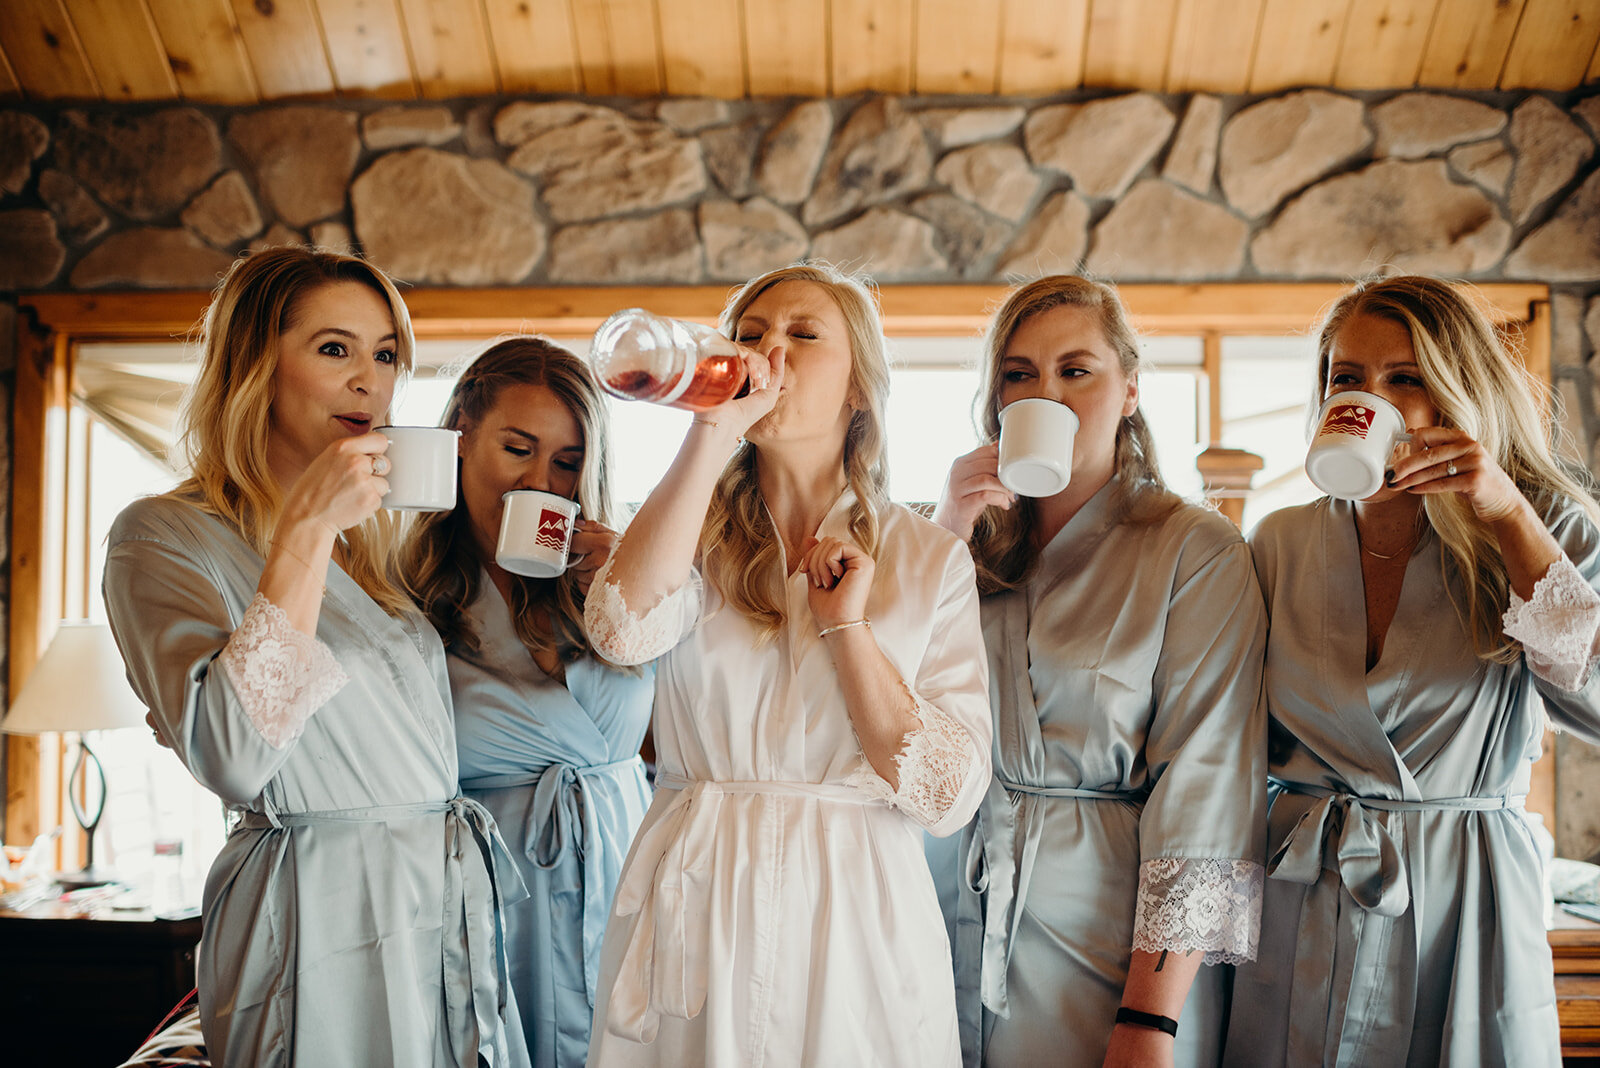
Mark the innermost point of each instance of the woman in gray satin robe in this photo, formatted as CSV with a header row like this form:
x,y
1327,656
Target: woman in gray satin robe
x,y
1122,841
352,915
548,734
1403,915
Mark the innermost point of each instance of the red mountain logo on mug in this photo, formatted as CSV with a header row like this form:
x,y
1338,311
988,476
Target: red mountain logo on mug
x,y
1352,419
552,530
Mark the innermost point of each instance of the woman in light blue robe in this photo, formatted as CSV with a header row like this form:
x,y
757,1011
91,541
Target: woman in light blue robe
x,y
1403,920
548,734
1122,842
352,915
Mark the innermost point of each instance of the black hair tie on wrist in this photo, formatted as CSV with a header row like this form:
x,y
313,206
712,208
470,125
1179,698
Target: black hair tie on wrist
x,y
1147,1019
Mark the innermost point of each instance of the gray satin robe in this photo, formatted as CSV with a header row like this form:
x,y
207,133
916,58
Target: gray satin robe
x,y
558,766
1129,667
1402,923
351,917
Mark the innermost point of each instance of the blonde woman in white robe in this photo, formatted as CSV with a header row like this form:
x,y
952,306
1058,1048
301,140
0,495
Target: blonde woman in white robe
x,y
822,700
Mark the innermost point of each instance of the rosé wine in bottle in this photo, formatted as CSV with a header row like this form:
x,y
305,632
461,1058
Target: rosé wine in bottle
x,y
641,356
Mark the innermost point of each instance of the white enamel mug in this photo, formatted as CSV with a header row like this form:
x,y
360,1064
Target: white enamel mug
x,y
535,533
1036,438
422,468
1354,445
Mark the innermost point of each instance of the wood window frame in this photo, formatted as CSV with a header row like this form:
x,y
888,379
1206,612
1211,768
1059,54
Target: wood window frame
x,y
50,327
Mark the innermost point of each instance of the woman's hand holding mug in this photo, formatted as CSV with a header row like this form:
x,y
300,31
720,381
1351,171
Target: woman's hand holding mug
x,y
973,485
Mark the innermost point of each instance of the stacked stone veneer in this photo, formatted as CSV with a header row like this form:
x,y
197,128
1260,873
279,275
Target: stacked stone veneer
x,y
1135,186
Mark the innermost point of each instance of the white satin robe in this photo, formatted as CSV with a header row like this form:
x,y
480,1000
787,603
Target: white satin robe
x,y
775,910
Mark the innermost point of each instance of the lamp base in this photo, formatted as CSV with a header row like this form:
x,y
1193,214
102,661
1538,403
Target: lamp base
x,y
93,875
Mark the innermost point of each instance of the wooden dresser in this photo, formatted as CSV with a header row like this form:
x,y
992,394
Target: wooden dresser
x,y
1575,944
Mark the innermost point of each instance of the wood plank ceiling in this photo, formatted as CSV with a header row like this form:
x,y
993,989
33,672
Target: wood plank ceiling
x,y
244,51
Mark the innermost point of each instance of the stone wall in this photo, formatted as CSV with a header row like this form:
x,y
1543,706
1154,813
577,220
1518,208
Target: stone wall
x,y
1306,185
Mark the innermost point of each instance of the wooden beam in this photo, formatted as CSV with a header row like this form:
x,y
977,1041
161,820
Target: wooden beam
x,y
871,44
908,309
1041,45
119,39
32,762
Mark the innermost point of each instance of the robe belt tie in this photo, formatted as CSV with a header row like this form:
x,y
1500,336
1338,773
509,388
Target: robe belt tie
x,y
666,961
1340,833
474,895
1000,876
563,818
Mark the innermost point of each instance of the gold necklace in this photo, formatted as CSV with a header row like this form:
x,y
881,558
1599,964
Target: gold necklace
x,y
1403,549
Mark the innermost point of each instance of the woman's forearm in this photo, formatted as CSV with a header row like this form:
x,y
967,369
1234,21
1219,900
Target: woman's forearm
x,y
881,708
1527,547
655,554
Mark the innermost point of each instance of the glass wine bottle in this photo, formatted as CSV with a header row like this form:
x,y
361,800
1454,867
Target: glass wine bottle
x,y
641,356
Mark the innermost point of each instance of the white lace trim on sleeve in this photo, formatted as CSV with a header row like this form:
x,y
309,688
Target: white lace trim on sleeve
x,y
1558,627
1188,903
280,675
621,636
933,764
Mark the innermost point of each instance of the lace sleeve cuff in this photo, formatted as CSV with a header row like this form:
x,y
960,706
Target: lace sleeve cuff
x,y
1558,627
624,637
1188,903
933,764
280,675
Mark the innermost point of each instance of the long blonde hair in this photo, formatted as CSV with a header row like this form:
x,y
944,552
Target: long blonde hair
x,y
1483,389
227,411
440,559
1003,540
739,549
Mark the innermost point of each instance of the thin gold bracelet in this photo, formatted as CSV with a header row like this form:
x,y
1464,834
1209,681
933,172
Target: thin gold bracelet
x,y
705,422
297,557
863,622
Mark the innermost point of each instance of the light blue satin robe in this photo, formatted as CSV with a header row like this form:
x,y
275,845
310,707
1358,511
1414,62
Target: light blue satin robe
x,y
351,917
1125,680
558,766
1403,920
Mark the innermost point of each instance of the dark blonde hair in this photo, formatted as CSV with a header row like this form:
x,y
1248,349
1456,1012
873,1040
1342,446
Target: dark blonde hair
x,y
227,411
440,560
1482,388
738,548
1003,540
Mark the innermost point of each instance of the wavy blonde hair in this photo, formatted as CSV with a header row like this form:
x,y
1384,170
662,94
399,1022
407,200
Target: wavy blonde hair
x,y
1003,548
1482,388
226,412
739,549
440,559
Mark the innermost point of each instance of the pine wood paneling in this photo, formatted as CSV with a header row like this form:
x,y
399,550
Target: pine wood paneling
x,y
44,51
1383,43
617,48
285,47
205,50
1041,45
1213,45
702,48
786,47
367,46
1468,43
958,46
533,46
1298,44
872,45
449,47
1128,44
119,39
1554,45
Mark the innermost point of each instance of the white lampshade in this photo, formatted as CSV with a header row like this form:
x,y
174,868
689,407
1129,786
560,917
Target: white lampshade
x,y
80,684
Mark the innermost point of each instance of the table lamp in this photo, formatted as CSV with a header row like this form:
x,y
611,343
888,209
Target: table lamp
x,y
80,684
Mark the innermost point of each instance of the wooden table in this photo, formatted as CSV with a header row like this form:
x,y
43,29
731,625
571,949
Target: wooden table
x,y
86,989
1575,945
